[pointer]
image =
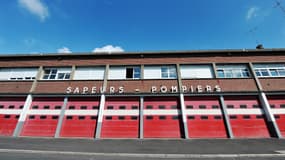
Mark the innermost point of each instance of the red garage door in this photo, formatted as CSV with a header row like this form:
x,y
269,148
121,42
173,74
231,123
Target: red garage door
x,y
10,108
80,118
43,117
204,118
277,104
161,118
121,118
246,117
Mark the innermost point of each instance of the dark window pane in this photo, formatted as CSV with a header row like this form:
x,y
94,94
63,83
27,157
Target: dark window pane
x,y
43,117
215,106
243,106
21,106
31,117
129,73
246,116
81,117
134,117
233,117
255,106
135,107
202,106
71,107
162,117
57,107
259,116
11,106
93,117
148,107
149,117
121,117
52,76
7,116
69,117
122,107
95,107
161,107
189,107
54,117
204,117
35,107
175,117
282,105
276,116
191,117
173,107
1,106
46,107
230,106
108,117
17,116
217,117
272,106
83,107
110,107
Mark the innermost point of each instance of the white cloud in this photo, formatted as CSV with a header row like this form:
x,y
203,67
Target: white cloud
x,y
64,50
109,48
36,7
252,12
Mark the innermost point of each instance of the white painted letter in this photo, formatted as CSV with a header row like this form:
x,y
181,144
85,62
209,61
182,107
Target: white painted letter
x,y
68,90
76,90
218,88
184,89
153,89
93,90
121,89
174,89
208,88
199,88
112,89
163,89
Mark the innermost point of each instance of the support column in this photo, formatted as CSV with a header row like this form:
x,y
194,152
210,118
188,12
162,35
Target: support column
x,y
72,72
226,117
38,76
184,116
102,104
273,127
215,70
23,116
141,117
182,104
61,117
100,117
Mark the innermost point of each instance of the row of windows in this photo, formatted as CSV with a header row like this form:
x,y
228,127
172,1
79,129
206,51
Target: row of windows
x,y
121,117
121,107
201,107
247,117
11,106
150,72
83,107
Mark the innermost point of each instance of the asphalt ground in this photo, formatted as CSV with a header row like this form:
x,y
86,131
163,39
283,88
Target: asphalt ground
x,y
51,148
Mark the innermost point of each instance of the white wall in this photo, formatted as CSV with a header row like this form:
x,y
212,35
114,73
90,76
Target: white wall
x,y
196,71
117,73
24,73
152,72
91,73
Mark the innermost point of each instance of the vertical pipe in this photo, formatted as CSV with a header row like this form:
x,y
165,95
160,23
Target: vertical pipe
x,y
226,117
61,117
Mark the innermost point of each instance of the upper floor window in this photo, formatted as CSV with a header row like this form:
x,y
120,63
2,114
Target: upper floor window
x,y
196,71
269,70
121,72
18,73
56,73
89,73
159,72
232,71
133,72
168,72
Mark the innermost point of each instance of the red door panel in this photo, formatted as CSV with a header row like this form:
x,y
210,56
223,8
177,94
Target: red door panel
x,y
280,120
277,104
79,126
40,125
158,124
124,125
8,124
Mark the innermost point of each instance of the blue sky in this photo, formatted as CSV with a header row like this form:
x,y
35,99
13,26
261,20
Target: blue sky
x,y
50,26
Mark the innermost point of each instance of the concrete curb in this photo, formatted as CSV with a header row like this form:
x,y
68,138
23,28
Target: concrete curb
x,y
177,156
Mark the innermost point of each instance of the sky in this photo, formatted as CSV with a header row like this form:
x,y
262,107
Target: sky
x,y
75,26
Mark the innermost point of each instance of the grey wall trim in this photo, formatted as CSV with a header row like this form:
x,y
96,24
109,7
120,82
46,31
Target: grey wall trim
x,y
72,72
226,117
38,76
142,71
106,75
184,116
141,136
179,80
23,116
258,84
61,118
215,70
273,127
100,117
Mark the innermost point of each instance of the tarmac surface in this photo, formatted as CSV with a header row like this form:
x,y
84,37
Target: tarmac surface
x,y
107,149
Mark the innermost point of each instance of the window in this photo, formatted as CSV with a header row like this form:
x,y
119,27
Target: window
x,y
71,107
133,73
17,116
148,107
69,117
202,106
57,107
161,107
189,107
282,105
122,107
1,106
269,70
89,73
46,107
7,116
168,72
175,117
110,107
93,117
162,117
108,117
243,106
149,117
35,107
83,107
276,116
259,116
255,106
233,117
173,107
196,71
54,117
135,107
18,74
11,107
204,117
134,117
272,106
215,106
43,117
95,107
56,73
191,117
246,117
81,117
232,71
217,117
121,117
230,106
21,106
31,117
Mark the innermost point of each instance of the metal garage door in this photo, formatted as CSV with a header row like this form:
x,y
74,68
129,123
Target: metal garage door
x,y
10,110
43,117
204,118
162,118
246,117
121,118
80,118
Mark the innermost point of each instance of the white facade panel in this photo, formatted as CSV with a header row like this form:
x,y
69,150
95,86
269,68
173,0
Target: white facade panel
x,y
196,71
152,72
18,73
91,73
117,73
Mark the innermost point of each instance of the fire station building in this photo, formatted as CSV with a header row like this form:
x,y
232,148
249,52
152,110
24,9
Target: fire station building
x,y
167,94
